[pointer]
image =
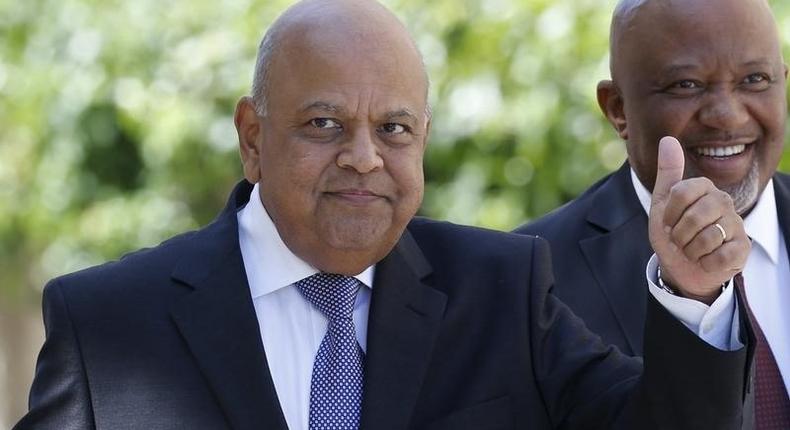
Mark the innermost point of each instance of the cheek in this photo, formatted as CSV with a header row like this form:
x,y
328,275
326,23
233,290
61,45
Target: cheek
x,y
770,115
296,171
407,173
673,117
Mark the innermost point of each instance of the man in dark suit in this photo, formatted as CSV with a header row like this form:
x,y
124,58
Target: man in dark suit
x,y
711,73
316,300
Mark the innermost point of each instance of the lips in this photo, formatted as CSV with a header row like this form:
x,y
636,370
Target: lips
x,y
356,196
725,161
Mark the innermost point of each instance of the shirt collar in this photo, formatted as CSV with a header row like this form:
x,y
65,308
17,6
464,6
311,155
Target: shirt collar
x,y
273,260
761,224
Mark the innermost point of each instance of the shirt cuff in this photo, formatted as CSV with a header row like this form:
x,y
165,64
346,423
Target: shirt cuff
x,y
716,324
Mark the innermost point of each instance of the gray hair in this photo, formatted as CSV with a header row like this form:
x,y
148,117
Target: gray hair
x,y
260,80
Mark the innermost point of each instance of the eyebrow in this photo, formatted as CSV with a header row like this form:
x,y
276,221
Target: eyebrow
x,y
759,62
680,68
324,106
337,109
401,113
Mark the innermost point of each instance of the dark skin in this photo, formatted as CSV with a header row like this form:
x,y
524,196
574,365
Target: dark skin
x,y
710,73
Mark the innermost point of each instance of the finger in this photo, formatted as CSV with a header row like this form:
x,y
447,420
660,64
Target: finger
x,y
669,169
729,257
683,195
702,213
704,243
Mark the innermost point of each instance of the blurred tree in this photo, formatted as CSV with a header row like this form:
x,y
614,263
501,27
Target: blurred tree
x,y
116,117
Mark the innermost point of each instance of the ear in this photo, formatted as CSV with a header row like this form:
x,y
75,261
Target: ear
x,y
611,103
785,71
248,127
427,131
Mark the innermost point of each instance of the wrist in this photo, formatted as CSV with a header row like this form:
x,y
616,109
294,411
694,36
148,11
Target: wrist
x,y
668,285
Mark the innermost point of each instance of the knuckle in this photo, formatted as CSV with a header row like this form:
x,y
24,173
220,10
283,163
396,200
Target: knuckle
x,y
701,182
725,200
710,205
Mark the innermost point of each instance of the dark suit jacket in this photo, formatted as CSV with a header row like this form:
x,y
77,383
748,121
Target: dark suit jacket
x,y
463,334
600,246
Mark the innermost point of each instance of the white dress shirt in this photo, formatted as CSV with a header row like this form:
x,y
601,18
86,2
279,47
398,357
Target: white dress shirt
x,y
291,328
766,275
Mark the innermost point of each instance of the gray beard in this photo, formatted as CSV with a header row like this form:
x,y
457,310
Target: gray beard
x,y
744,193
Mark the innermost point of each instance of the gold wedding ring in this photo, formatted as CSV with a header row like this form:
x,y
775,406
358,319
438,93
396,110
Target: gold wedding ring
x,y
721,230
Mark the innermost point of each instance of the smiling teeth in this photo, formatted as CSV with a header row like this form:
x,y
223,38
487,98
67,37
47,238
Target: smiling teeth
x,y
724,151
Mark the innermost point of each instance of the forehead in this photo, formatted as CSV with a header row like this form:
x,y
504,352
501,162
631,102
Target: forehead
x,y
717,33
381,68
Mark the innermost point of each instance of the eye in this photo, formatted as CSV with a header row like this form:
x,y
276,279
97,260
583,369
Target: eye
x,y
757,81
393,128
684,88
324,123
686,84
755,78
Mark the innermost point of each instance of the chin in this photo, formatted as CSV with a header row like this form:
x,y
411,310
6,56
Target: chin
x,y
357,235
745,192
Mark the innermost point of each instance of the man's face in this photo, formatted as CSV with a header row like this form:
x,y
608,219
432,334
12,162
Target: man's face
x,y
709,73
341,147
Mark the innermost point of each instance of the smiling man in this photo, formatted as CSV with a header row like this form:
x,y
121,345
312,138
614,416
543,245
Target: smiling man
x,y
316,300
711,73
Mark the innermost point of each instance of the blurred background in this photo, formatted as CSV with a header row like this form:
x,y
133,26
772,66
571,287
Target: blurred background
x,y
116,126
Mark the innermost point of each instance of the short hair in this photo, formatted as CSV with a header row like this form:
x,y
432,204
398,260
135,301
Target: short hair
x,y
260,80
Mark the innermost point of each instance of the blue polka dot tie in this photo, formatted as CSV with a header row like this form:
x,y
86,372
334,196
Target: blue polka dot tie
x,y
336,387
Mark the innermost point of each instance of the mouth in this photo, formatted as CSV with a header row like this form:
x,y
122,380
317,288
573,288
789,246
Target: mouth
x,y
720,151
721,161
356,197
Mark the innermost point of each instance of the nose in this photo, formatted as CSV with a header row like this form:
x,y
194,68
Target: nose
x,y
723,110
360,153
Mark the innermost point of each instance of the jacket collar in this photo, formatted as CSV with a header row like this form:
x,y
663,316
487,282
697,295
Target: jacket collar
x,y
218,322
621,241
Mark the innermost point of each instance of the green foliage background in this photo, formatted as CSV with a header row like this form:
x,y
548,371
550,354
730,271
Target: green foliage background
x,y
116,117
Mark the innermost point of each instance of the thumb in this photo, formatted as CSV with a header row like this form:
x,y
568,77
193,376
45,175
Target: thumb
x,y
670,167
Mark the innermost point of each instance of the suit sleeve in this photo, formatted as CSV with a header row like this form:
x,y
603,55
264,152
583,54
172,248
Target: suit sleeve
x,y
684,383
59,398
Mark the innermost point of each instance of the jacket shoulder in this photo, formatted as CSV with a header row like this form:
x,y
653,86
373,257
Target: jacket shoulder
x,y
143,266
447,239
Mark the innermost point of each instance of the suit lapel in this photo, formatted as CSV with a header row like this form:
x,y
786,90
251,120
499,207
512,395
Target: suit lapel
x,y
405,316
621,241
782,195
217,320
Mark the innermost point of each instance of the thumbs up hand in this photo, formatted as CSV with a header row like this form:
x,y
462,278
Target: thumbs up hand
x,y
694,229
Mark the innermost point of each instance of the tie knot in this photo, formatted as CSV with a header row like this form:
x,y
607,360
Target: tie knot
x,y
332,294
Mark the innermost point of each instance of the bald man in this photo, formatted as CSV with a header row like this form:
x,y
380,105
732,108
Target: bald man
x,y
315,300
711,73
